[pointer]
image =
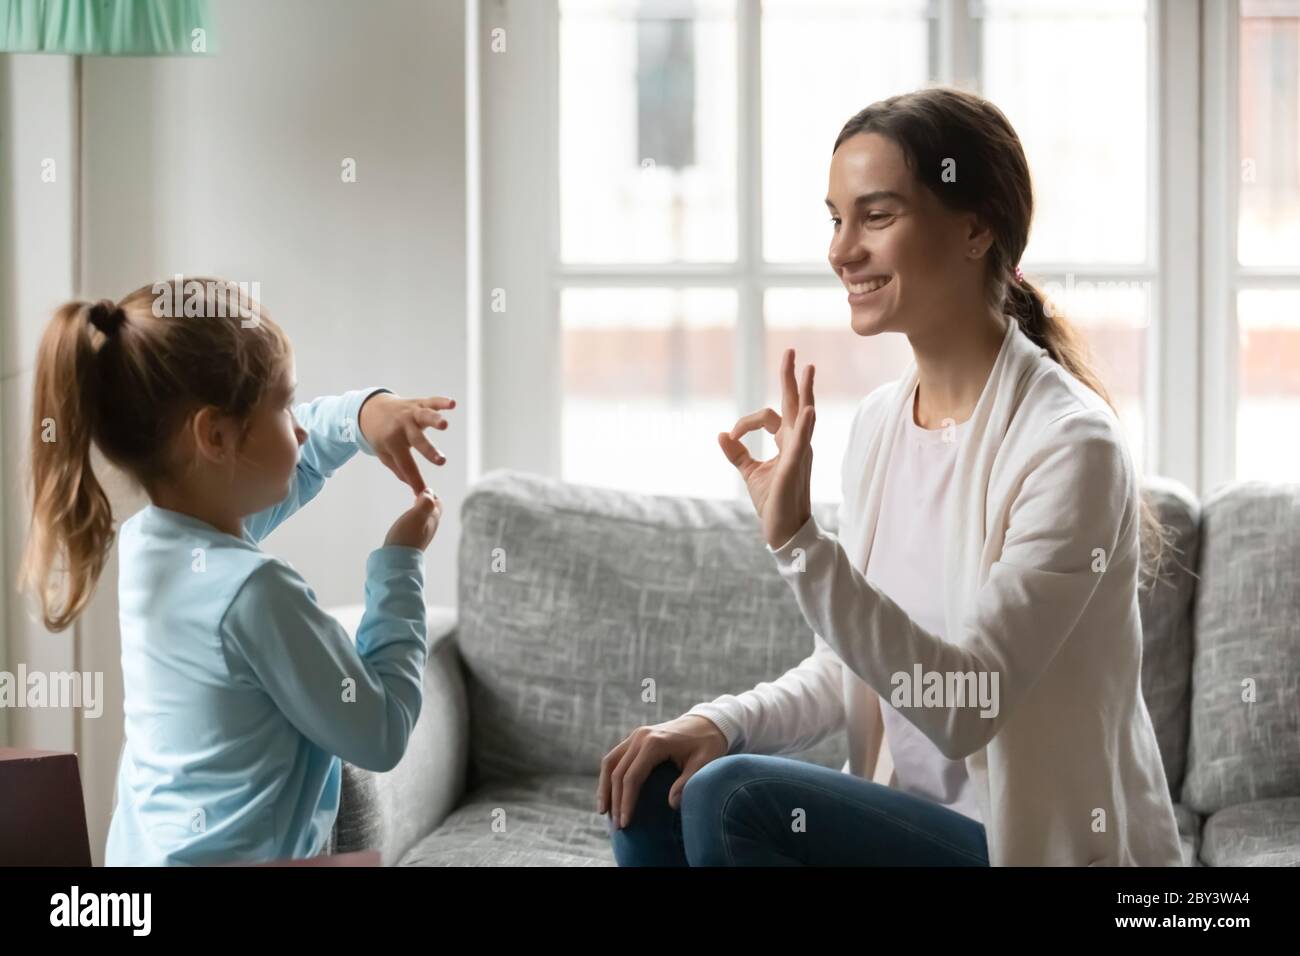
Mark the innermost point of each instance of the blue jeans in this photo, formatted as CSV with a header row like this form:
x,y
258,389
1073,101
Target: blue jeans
x,y
744,810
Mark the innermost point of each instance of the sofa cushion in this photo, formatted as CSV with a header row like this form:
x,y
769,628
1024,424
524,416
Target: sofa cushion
x,y
548,820
1189,833
1247,621
586,612
390,811
1262,833
1165,602
359,824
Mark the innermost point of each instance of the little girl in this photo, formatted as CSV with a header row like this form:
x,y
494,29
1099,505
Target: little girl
x,y
241,694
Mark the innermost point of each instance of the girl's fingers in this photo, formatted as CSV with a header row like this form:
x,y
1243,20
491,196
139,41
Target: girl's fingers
x,y
437,402
386,460
404,465
417,440
426,418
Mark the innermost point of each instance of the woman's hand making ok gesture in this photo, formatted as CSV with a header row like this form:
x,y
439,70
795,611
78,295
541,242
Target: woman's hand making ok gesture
x,y
781,486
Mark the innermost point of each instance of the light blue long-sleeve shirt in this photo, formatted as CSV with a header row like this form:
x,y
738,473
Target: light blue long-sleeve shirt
x,y
241,693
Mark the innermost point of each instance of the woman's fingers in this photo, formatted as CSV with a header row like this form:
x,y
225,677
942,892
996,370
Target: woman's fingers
x,y
735,450
438,402
695,762
633,744
807,421
789,390
605,783
806,392
800,447
794,395
763,418
648,757
803,431
737,454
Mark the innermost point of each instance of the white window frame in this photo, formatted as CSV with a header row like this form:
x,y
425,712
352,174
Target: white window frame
x,y
1219,242
1224,277
1189,398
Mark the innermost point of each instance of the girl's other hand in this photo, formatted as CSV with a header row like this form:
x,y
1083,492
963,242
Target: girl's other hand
x,y
416,528
393,426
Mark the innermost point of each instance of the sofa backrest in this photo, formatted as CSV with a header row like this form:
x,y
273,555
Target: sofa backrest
x,y
1166,606
586,612
1244,743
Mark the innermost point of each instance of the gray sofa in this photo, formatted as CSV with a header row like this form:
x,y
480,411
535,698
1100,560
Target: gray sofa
x,y
584,613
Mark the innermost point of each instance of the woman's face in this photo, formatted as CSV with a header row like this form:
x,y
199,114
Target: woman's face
x,y
902,255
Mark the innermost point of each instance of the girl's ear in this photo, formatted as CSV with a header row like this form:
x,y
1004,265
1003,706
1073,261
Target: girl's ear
x,y
212,435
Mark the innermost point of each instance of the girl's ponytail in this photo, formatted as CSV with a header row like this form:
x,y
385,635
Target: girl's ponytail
x,y
72,522
124,378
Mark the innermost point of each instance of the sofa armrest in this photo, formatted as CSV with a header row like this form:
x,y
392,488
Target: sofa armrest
x,y
392,811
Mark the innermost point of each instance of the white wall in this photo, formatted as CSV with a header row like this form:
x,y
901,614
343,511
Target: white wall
x,y
231,166
37,265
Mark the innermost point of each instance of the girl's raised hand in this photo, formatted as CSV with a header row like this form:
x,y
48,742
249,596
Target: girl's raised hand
x,y
780,487
393,426
416,527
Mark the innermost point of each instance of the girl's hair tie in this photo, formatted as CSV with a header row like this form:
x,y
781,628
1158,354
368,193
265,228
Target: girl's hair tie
x,y
1020,276
107,316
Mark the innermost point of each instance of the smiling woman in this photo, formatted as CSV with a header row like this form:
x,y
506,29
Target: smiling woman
x,y
989,533
949,206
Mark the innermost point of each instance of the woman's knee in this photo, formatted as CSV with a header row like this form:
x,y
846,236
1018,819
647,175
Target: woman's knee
x,y
713,783
653,835
704,801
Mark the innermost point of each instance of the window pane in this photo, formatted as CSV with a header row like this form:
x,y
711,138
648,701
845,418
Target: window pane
x,y
648,384
1268,229
1268,384
1072,79
647,131
1113,316
823,61
815,323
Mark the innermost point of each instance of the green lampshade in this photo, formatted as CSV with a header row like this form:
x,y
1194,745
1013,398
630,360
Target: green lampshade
x,y
106,27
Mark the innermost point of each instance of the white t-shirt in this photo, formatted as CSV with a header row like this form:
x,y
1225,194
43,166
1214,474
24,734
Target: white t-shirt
x,y
907,565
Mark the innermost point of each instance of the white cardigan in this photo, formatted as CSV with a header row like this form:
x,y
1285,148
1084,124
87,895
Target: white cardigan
x,y
1068,771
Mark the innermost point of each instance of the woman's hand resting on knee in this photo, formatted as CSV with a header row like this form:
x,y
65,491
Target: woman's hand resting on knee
x,y
689,742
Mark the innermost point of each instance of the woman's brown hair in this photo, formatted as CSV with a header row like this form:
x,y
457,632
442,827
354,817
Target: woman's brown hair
x,y
942,130
124,378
